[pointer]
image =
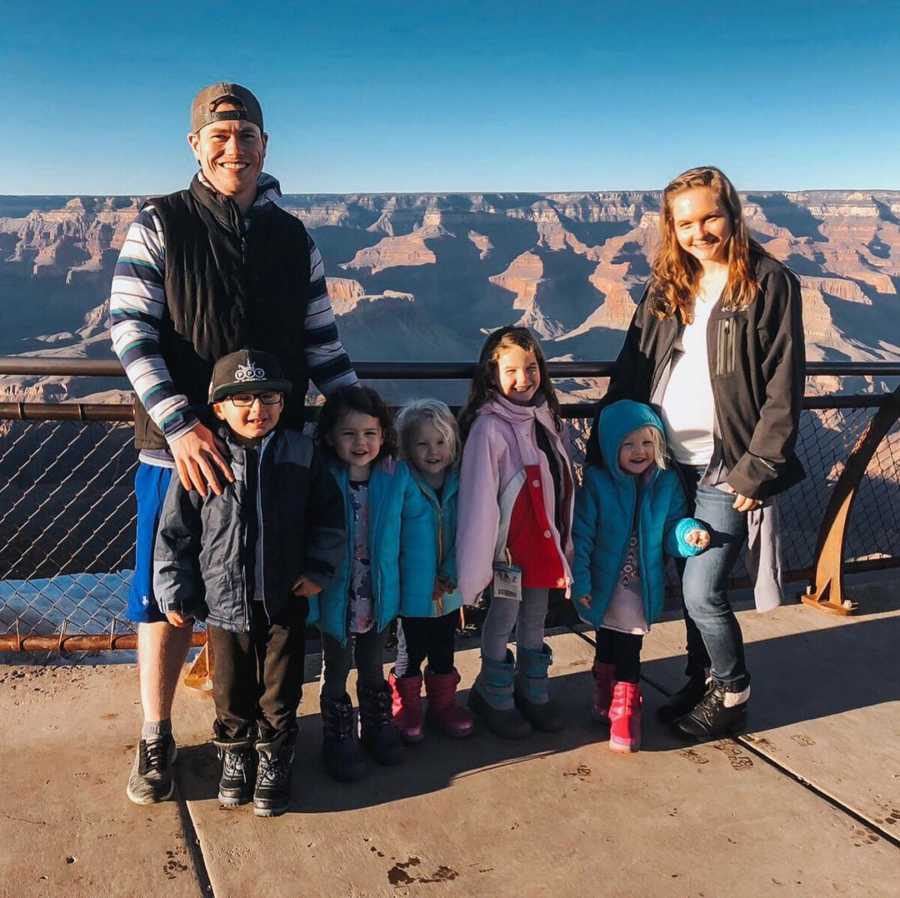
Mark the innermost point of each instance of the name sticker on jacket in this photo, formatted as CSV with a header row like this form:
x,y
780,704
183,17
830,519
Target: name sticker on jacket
x,y
507,582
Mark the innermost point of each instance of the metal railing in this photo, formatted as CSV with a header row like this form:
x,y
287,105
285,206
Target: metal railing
x,y
67,514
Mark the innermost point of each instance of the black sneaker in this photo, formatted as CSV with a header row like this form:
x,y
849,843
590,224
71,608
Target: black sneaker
x,y
272,795
380,738
683,701
710,719
152,778
236,782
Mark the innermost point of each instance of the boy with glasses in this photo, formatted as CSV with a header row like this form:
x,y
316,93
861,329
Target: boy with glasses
x,y
250,562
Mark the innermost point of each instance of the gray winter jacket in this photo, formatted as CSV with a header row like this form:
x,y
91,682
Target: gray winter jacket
x,y
283,510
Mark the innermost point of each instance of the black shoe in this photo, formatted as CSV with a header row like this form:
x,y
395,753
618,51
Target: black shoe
x,y
710,719
379,737
272,795
507,723
238,774
152,778
683,701
341,754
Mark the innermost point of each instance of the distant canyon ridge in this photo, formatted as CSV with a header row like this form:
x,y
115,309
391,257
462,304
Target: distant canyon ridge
x,y
421,277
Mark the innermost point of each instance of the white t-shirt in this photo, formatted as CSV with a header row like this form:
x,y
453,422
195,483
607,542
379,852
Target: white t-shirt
x,y
688,409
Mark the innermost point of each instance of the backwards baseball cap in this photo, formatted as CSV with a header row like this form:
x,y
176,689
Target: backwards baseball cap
x,y
204,109
247,371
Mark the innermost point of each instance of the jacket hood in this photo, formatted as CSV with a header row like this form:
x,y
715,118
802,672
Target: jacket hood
x,y
616,422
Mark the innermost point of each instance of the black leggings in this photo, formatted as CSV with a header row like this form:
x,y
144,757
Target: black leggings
x,y
622,650
337,659
419,638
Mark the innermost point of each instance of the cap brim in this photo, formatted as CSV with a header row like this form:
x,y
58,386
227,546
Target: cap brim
x,y
255,386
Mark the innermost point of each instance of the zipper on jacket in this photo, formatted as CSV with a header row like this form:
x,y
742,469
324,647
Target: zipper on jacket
x,y
725,345
624,553
641,569
440,549
666,361
717,367
260,557
243,519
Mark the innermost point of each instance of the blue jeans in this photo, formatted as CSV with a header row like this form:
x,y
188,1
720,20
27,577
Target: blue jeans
x,y
714,638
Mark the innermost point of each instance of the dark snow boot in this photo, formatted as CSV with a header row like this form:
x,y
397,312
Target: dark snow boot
x,y
683,701
712,718
238,772
532,694
491,699
272,795
341,755
379,737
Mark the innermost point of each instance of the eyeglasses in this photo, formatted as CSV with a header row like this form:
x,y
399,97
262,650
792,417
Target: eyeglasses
x,y
245,400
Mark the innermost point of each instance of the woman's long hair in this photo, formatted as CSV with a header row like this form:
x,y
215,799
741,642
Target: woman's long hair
x,y
675,274
484,381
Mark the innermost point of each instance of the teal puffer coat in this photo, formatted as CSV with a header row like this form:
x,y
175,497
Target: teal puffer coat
x,y
424,555
605,512
398,525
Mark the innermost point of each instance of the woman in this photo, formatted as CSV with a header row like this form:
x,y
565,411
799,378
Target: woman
x,y
716,344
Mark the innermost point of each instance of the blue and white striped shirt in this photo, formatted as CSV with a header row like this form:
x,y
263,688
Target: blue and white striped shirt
x,y
137,306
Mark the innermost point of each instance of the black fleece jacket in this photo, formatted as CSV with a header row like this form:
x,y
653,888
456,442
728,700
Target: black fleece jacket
x,y
756,365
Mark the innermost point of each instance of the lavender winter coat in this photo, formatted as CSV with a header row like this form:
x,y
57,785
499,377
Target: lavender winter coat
x,y
507,499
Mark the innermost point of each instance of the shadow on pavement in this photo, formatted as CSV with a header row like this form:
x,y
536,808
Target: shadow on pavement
x,y
798,677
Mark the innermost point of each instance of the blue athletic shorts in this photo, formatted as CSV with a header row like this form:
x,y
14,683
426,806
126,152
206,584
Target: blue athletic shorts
x,y
151,483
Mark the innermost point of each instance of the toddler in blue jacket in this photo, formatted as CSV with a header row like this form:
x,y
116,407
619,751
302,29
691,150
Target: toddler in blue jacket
x,y
429,599
628,513
385,517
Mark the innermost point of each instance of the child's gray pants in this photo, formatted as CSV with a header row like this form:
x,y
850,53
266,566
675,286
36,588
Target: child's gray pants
x,y
526,617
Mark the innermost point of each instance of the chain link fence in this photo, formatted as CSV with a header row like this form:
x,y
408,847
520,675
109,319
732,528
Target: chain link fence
x,y
67,514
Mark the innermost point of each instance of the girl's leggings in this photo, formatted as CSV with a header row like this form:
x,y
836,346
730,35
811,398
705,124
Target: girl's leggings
x,y
622,650
419,638
526,618
337,660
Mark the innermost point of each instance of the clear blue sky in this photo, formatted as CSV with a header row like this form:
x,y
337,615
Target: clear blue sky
x,y
457,96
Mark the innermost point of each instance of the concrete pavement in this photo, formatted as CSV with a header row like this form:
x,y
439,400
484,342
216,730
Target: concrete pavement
x,y
806,804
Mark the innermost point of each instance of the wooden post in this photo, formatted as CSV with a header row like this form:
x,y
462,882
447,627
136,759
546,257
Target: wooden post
x,y
826,592
200,675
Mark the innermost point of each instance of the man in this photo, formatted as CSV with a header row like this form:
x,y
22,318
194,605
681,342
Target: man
x,y
202,273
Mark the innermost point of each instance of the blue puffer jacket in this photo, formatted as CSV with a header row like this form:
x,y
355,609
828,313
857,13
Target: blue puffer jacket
x,y
605,512
398,524
424,556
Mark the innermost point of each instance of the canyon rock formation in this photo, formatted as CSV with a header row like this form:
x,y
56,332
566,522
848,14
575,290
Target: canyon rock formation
x,y
421,277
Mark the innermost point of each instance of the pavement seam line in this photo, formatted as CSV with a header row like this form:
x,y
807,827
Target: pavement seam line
x,y
745,742
195,849
861,819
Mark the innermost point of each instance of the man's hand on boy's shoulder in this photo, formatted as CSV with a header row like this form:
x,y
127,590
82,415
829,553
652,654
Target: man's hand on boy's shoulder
x,y
306,587
198,453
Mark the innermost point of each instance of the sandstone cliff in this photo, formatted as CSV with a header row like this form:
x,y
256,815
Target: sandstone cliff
x,y
419,276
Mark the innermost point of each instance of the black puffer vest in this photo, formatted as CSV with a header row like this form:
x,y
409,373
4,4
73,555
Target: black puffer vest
x,y
226,291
